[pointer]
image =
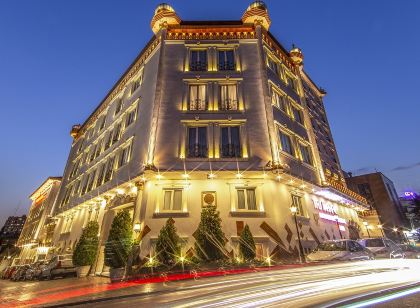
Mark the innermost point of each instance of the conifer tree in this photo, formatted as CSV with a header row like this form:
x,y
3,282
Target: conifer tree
x,y
168,246
210,239
247,244
120,239
85,252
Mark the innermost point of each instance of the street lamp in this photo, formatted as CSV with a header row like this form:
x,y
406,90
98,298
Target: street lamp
x,y
367,229
381,227
293,209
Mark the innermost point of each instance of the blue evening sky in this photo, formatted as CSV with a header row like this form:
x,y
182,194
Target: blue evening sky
x,y
59,58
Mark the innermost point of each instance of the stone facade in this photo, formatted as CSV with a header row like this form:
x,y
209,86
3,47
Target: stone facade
x,y
210,113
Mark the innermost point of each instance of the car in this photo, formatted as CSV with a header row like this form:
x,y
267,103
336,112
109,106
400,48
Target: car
x,y
20,272
60,265
35,270
339,250
410,252
382,247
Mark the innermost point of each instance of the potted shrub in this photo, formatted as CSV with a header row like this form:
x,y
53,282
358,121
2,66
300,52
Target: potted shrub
x,y
168,245
247,245
85,252
118,246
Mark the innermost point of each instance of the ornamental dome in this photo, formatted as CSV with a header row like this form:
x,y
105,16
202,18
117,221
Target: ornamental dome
x,y
257,4
296,55
257,13
164,16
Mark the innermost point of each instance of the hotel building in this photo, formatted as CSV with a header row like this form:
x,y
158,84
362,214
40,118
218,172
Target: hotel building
x,y
210,112
37,233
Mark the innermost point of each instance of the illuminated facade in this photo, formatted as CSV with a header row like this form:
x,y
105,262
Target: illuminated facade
x,y
209,113
36,237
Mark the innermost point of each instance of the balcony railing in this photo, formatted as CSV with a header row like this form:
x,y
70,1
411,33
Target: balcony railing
x,y
198,66
229,104
226,66
231,150
197,151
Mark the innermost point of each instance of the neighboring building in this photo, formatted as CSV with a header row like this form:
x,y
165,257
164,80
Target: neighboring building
x,y
383,199
35,240
410,202
210,112
11,230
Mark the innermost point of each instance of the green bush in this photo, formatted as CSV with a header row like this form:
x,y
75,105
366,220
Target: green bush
x,y
120,240
247,244
85,252
210,239
168,246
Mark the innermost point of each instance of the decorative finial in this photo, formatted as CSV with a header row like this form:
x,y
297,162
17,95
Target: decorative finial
x,y
165,16
257,13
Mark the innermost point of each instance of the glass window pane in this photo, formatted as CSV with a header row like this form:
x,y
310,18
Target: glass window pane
x,y
177,200
192,134
202,142
252,203
167,200
241,199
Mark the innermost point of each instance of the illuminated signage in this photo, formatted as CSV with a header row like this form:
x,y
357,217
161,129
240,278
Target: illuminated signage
x,y
328,211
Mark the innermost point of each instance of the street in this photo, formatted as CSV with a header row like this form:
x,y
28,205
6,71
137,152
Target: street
x,y
317,285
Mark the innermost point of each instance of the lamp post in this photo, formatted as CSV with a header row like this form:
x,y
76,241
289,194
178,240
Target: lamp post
x,y
381,227
367,229
293,209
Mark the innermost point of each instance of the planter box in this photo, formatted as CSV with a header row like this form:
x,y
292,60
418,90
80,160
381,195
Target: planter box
x,y
82,271
116,274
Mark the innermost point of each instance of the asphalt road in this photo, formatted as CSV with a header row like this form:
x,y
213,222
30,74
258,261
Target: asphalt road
x,y
355,284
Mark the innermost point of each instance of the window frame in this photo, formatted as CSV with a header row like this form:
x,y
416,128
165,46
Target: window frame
x,y
292,147
197,104
198,66
172,200
246,199
197,127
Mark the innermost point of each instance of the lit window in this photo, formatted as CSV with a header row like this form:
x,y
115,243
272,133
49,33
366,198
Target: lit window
x,y
136,84
291,81
247,199
197,99
279,100
100,178
306,154
91,181
226,60
198,60
118,106
231,143
117,133
124,156
85,184
109,169
98,148
131,117
298,115
228,97
297,202
272,64
286,143
197,141
172,200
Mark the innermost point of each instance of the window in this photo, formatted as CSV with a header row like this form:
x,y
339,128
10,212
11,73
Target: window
x,y
85,184
75,169
136,84
272,64
298,115
228,97
98,149
297,202
108,141
291,82
197,99
247,199
306,154
131,117
231,144
102,123
109,169
198,60
197,142
76,188
118,106
92,152
100,178
117,133
172,200
286,143
279,100
91,181
124,156
66,196
226,60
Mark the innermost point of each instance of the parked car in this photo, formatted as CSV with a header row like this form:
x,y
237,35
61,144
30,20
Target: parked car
x,y
35,270
20,272
61,265
339,250
382,247
410,252
8,272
